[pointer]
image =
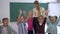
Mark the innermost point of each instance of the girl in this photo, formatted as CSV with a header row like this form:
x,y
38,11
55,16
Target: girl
x,y
21,25
30,23
36,12
52,24
40,26
25,23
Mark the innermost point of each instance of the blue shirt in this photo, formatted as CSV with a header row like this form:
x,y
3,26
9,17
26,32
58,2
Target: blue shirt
x,y
54,26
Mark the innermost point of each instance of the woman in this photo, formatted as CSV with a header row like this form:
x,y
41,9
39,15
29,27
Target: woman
x,y
36,12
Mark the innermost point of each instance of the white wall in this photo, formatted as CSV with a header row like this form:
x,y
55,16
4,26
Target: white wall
x,y
54,9
4,9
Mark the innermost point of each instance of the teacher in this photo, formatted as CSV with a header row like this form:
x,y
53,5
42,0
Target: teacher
x,y
37,11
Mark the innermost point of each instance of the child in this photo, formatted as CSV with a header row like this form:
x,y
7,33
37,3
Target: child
x,y
40,26
52,24
30,23
25,23
5,28
21,25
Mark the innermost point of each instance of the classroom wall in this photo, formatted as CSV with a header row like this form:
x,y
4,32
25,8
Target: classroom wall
x,y
54,9
5,6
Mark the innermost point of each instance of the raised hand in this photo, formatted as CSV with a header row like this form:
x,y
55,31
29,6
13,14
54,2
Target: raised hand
x,y
46,12
24,12
20,12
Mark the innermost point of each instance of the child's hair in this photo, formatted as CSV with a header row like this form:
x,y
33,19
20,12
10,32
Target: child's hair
x,y
54,16
4,19
43,17
30,13
40,16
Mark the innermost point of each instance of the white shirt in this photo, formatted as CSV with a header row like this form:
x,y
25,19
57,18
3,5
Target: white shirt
x,y
35,12
40,24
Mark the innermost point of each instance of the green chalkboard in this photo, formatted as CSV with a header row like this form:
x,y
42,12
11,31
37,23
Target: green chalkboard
x,y
14,9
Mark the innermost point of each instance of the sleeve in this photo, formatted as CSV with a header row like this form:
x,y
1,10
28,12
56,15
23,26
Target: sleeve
x,y
14,32
58,19
48,21
33,12
49,24
26,24
47,31
44,20
43,9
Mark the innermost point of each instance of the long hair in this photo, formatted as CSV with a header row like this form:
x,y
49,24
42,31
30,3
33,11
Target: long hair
x,y
38,8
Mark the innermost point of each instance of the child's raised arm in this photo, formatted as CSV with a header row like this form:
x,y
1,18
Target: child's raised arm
x,y
57,21
20,12
46,15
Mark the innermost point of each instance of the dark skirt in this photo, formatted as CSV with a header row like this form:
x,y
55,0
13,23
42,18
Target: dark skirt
x,y
30,31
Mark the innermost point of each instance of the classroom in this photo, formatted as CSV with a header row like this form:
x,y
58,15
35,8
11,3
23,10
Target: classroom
x,y
15,10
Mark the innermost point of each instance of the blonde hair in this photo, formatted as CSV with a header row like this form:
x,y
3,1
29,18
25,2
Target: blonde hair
x,y
41,16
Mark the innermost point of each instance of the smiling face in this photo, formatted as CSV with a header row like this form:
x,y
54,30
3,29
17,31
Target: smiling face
x,y
41,19
53,19
30,13
5,21
36,3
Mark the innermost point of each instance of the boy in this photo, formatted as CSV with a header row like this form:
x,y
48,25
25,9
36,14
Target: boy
x,y
5,28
